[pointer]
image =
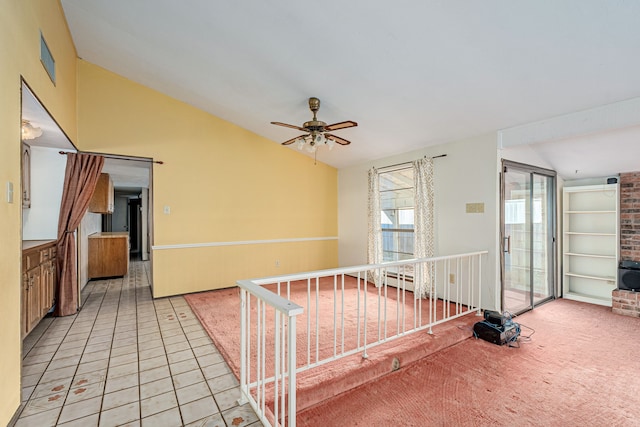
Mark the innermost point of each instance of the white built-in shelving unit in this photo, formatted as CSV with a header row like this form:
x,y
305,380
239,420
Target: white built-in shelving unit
x,y
590,242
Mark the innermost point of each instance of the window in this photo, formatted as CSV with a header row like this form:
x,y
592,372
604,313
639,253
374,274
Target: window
x,y
396,205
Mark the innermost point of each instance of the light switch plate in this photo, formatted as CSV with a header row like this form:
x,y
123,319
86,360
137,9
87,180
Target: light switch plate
x,y
166,210
9,192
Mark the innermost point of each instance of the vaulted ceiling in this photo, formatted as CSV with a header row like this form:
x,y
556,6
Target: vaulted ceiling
x,y
411,73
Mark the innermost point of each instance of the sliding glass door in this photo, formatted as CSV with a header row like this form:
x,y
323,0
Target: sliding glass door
x,y
528,236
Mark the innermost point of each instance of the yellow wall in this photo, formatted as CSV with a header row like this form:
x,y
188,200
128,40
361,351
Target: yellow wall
x,y
20,24
221,182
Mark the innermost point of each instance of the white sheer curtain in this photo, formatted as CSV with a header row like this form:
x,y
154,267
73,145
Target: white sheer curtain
x,y
423,224
374,246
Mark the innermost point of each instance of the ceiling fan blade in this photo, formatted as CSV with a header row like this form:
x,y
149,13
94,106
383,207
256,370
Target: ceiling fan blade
x,y
292,140
337,139
341,125
289,126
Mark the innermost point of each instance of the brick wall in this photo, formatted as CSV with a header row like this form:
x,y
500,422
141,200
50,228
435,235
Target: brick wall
x,y
626,303
630,216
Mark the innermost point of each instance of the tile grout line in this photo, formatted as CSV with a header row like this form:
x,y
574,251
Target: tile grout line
x,y
166,356
122,302
56,352
138,344
199,366
106,374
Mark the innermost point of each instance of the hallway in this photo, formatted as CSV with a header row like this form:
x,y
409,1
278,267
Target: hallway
x,y
126,359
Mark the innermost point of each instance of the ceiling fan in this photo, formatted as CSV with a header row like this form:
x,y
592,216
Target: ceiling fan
x,y
317,131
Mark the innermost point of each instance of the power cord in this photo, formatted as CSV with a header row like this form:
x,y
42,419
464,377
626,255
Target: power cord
x,y
527,338
524,338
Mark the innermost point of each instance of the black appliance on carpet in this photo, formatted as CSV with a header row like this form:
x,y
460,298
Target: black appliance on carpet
x,y
497,328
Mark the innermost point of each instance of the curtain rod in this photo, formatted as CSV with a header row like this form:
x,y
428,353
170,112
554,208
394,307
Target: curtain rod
x,y
131,159
406,163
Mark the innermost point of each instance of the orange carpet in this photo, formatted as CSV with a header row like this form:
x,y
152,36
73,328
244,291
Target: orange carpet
x,y
578,369
219,312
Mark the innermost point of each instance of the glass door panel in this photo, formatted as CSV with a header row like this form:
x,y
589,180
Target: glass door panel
x,y
542,245
516,289
528,237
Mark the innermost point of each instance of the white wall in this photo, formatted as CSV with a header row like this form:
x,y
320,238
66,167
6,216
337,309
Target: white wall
x,y
40,222
144,223
469,174
525,154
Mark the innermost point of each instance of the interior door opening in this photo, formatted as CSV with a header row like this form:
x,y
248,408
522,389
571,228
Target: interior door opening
x,y
528,232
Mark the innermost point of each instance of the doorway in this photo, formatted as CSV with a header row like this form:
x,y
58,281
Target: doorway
x,y
528,235
127,217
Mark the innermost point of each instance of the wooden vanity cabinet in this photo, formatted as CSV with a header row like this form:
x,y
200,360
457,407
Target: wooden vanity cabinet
x,y
102,200
38,282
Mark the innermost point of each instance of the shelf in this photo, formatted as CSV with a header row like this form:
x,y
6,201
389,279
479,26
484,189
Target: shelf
x,y
586,276
592,255
590,242
578,233
575,296
590,212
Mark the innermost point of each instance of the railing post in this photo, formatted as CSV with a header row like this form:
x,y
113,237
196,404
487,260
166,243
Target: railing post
x,y
276,357
291,356
243,349
365,285
479,285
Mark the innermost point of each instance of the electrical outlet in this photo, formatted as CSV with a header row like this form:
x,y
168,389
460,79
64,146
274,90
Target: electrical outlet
x,y
277,263
452,278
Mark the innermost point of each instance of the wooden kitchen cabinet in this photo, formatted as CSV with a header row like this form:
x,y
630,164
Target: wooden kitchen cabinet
x,y
38,282
103,198
108,254
31,299
48,277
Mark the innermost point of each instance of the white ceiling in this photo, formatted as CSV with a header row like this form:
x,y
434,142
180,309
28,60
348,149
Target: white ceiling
x,y
52,136
411,73
128,174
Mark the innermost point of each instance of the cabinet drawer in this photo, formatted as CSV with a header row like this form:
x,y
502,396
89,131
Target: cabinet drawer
x,y
31,260
44,255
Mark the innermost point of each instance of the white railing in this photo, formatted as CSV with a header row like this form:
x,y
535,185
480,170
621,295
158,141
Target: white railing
x,y
283,332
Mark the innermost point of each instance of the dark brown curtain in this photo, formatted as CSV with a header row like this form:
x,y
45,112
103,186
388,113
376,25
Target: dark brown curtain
x,y
80,179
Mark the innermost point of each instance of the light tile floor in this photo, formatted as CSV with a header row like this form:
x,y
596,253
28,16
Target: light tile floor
x,y
127,360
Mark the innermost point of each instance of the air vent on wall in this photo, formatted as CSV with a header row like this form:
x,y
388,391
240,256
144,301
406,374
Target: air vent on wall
x,y
47,59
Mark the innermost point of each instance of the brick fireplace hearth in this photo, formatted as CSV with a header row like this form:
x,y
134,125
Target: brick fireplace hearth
x,y
630,216
626,302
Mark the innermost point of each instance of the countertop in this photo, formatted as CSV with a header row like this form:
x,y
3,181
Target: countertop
x,y
109,235
30,244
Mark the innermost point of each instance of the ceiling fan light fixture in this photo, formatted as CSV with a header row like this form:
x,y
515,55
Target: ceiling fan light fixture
x,y
29,131
317,131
